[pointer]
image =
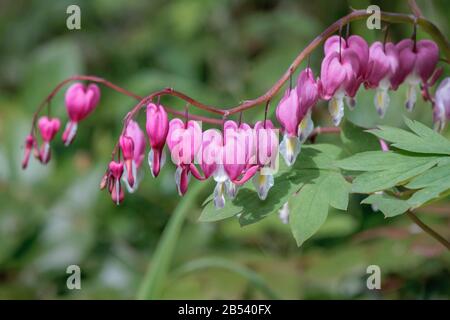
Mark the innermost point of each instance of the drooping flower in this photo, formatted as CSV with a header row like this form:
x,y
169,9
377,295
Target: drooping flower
x,y
360,47
80,102
30,145
294,114
157,129
184,142
132,144
48,128
114,185
383,64
417,62
212,154
288,115
441,110
239,154
266,140
340,75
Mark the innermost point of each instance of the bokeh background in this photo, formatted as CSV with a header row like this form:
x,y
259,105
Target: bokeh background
x,y
220,52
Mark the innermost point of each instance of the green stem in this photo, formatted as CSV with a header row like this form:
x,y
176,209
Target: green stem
x,y
205,263
157,270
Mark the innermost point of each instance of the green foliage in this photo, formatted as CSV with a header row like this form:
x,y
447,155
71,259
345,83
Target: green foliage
x,y
421,140
310,205
418,163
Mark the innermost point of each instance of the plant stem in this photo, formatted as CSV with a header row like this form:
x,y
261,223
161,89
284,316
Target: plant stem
x,y
157,270
428,230
427,25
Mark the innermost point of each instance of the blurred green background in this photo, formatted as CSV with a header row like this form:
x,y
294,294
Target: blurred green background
x,y
220,52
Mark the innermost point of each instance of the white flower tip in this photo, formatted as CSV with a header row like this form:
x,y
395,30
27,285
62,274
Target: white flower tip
x,y
336,109
231,189
283,213
290,148
263,183
219,195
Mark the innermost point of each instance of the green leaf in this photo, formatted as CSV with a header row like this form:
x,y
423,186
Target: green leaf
x,y
383,170
356,139
309,208
435,176
369,182
387,204
429,193
380,160
421,140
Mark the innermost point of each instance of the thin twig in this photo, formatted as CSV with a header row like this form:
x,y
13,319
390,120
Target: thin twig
x,y
428,230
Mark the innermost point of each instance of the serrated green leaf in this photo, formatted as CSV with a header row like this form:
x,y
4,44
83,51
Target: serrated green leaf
x,y
427,194
369,182
381,160
435,176
421,140
309,208
389,205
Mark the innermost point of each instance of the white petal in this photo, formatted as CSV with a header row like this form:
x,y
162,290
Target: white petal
x,y
219,195
45,152
220,174
162,162
381,100
263,183
117,191
289,149
283,213
125,178
231,189
336,109
178,178
411,97
72,132
150,161
305,127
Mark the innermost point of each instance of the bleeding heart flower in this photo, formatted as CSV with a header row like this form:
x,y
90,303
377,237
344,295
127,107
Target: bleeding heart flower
x,y
184,142
288,112
114,185
294,114
132,144
30,144
48,128
360,47
417,62
266,138
80,102
441,110
383,64
338,77
157,129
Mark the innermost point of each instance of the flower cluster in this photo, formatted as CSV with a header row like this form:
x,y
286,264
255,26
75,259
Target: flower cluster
x,y
232,158
242,152
80,102
350,63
